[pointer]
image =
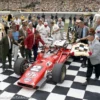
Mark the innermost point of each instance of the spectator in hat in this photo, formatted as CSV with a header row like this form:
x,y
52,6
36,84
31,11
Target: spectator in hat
x,y
46,30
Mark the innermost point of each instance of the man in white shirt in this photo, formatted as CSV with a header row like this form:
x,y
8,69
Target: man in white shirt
x,y
97,31
60,23
55,31
17,21
40,28
46,29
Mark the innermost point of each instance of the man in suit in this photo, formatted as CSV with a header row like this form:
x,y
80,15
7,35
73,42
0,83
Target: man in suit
x,y
37,39
7,49
28,43
94,58
22,36
84,32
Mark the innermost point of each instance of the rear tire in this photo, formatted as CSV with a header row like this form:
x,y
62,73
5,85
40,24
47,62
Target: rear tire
x,y
59,73
19,67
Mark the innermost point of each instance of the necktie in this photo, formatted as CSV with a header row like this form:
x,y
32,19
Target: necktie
x,y
2,35
82,33
34,40
9,43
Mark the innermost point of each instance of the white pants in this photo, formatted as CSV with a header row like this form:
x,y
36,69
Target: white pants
x,y
43,37
62,33
15,51
56,36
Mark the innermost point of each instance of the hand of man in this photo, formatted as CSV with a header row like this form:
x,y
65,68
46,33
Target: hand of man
x,y
78,40
72,53
53,32
19,45
25,46
90,53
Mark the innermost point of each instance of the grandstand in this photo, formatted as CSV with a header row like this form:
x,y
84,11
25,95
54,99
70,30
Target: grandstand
x,y
51,5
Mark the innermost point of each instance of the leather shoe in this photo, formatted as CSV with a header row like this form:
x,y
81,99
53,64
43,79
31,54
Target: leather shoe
x,y
96,78
10,67
83,65
3,69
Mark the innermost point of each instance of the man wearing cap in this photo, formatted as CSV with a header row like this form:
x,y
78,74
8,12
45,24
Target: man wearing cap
x,y
94,58
55,31
60,23
46,30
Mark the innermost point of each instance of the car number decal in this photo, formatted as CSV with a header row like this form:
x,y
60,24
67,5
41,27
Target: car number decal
x,y
36,68
27,79
31,74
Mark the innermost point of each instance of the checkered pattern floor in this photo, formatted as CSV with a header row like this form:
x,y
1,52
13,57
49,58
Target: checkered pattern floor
x,y
70,89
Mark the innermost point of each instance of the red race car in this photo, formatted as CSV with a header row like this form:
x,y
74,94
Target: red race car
x,y
50,64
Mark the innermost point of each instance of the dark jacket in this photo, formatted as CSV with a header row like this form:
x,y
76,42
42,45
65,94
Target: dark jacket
x,y
5,46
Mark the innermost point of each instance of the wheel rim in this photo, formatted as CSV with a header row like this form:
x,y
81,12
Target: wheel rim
x,y
24,67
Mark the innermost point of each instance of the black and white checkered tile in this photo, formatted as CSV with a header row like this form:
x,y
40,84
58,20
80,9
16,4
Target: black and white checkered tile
x,y
70,89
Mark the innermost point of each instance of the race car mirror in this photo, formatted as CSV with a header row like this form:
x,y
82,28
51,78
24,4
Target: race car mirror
x,y
80,49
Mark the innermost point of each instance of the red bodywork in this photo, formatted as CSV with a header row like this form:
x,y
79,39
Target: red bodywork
x,y
36,72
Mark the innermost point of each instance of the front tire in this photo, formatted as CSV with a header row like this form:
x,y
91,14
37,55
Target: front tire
x,y
59,73
20,65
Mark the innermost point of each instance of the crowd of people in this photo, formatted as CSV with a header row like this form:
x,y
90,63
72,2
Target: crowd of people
x,y
90,36
27,34
53,5
69,5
